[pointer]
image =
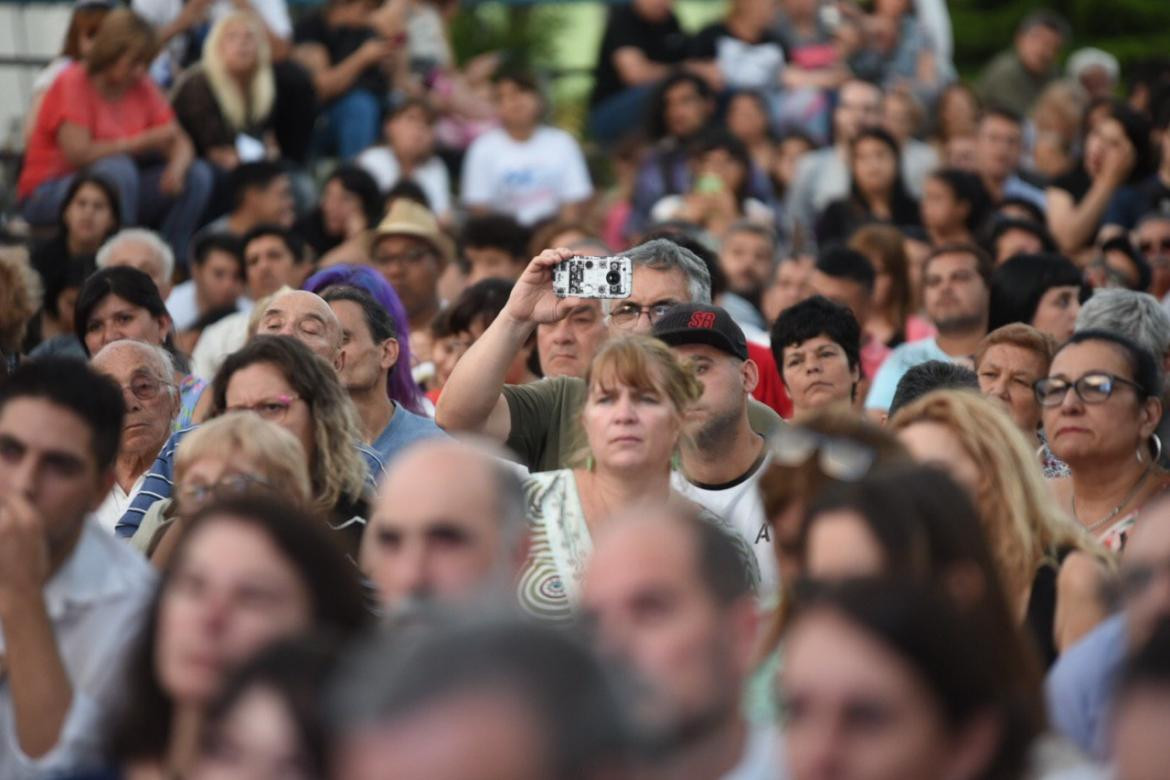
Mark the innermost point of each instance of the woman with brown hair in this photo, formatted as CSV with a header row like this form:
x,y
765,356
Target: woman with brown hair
x,y
639,393
894,316
83,26
106,115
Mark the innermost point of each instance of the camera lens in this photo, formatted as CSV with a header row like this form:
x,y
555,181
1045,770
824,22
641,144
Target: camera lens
x,y
613,277
588,263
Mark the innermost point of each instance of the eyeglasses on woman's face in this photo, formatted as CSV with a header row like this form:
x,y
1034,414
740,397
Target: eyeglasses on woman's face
x,y
1095,387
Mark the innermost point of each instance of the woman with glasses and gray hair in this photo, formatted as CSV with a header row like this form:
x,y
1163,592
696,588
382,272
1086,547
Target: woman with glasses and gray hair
x,y
1052,571
1101,405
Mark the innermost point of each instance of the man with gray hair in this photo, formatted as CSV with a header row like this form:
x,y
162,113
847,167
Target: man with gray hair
x,y
142,249
459,543
539,421
1140,318
146,375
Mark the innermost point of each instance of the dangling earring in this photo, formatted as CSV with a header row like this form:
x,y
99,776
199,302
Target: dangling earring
x,y
589,461
1157,448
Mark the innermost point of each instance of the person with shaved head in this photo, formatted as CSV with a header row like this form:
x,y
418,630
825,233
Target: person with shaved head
x,y
435,536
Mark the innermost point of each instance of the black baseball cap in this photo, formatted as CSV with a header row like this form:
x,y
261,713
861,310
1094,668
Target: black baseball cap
x,y
701,323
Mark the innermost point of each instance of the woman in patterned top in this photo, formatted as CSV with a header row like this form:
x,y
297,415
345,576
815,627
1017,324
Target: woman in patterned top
x,y
639,395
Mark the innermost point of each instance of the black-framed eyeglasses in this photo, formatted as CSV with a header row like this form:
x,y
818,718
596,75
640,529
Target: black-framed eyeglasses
x,y
839,458
628,313
195,496
1095,387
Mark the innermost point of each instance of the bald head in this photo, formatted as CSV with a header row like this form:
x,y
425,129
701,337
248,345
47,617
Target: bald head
x,y
671,596
306,317
154,360
434,537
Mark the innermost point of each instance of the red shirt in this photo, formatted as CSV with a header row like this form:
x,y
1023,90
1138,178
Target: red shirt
x,y
770,389
74,98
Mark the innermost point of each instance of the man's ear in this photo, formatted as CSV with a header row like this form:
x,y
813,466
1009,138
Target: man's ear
x,y
390,350
751,375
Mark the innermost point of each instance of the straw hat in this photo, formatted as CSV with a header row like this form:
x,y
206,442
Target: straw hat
x,y
408,218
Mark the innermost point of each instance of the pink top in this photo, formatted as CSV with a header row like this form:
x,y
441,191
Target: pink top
x,y
74,98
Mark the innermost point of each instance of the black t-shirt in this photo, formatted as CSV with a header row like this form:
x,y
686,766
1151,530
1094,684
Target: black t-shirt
x,y
662,42
1076,182
341,42
1155,196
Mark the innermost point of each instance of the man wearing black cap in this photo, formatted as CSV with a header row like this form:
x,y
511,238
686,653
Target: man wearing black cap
x,y
722,457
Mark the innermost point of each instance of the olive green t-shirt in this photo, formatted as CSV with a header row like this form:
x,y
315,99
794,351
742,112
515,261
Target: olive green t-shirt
x,y
546,421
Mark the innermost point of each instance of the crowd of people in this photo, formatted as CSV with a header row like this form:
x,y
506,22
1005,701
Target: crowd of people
x,y
307,472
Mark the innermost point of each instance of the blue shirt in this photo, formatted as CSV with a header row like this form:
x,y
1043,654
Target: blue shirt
x,y
1080,686
404,429
901,359
159,482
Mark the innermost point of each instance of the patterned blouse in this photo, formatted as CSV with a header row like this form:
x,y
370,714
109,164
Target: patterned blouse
x,y
560,546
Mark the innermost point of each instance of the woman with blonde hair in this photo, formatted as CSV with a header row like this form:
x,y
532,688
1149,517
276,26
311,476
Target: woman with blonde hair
x,y
230,94
228,455
1052,571
639,394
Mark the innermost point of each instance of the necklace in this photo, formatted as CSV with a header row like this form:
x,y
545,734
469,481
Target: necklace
x,y
1133,491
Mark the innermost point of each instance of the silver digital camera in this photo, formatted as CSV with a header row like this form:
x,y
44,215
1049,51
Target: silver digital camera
x,y
594,277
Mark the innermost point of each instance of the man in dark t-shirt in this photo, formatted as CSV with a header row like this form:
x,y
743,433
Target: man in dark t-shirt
x,y
345,49
642,41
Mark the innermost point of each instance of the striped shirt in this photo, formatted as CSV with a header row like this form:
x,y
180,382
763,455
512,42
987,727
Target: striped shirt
x,y
159,482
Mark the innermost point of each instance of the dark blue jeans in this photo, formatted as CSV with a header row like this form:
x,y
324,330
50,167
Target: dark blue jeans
x,y
141,199
351,124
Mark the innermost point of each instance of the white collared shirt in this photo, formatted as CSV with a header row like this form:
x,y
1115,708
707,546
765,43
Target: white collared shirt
x,y
97,602
117,502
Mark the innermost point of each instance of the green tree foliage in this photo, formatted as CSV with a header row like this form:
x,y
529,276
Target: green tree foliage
x,y
1132,30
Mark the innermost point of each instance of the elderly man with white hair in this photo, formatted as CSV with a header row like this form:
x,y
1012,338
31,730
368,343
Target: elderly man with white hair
x,y
306,317
146,375
142,249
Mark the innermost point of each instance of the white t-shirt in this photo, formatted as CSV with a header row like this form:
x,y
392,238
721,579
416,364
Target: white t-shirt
x,y
739,503
529,179
431,176
181,305
116,503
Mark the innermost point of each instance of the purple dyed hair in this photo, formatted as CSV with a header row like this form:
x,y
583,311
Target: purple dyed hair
x,y
401,387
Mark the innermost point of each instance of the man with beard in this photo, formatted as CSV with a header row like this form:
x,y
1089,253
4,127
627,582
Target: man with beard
x,y
369,351
668,598
747,258
956,293
458,541
722,457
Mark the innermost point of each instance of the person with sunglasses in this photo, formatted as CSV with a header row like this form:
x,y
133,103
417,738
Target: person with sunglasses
x,y
1082,686
145,375
1101,406
539,421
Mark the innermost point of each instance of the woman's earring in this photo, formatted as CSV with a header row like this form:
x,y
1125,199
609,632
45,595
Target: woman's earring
x,y
1157,447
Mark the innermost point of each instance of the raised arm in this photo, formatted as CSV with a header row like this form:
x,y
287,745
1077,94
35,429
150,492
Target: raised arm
x,y
471,399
